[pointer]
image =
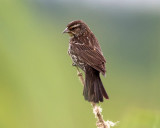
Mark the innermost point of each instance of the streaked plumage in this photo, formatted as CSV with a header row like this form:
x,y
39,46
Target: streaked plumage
x,y
86,53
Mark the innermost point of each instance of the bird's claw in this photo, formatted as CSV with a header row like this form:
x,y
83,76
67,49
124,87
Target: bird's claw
x,y
79,74
74,64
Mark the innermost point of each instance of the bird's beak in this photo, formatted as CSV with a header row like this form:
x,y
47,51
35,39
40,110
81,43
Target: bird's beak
x,y
66,30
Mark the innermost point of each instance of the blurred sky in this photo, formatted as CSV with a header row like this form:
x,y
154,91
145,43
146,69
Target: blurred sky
x,y
143,4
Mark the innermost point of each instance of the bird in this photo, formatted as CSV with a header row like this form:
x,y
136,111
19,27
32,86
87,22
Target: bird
x,y
87,55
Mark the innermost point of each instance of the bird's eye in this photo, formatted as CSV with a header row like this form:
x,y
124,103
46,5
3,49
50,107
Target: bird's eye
x,y
73,28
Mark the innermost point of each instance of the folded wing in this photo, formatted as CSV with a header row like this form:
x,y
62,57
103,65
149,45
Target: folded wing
x,y
91,56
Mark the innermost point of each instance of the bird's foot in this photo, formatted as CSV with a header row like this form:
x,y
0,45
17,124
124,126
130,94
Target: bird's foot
x,y
79,74
74,64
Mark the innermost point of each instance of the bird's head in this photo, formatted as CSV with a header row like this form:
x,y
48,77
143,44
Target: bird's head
x,y
76,28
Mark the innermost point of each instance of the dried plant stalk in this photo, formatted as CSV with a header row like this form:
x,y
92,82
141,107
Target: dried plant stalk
x,y
96,109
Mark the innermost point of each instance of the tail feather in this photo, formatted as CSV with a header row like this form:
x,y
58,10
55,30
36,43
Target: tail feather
x,y
103,90
93,89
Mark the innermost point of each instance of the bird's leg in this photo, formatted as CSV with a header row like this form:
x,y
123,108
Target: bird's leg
x,y
78,72
80,75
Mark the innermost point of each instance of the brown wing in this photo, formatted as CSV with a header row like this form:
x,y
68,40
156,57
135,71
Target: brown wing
x,y
91,56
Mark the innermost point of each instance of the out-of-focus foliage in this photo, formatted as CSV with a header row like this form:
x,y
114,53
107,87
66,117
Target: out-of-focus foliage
x,y
38,86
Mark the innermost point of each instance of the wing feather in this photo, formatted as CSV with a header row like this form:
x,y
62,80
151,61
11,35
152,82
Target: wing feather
x,y
91,56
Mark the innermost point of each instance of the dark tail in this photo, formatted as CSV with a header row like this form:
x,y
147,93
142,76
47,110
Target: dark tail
x,y
94,90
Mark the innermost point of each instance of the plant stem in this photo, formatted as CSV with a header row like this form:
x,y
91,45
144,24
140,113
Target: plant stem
x,y
96,109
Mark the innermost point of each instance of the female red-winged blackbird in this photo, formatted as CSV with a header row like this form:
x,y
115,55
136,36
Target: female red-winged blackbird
x,y
86,53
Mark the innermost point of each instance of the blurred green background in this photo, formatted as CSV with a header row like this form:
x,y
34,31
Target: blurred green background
x,y
40,89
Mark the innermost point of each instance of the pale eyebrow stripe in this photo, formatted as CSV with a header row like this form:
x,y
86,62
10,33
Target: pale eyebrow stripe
x,y
74,26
